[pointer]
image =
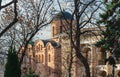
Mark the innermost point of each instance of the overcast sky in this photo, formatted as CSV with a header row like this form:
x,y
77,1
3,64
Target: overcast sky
x,y
45,33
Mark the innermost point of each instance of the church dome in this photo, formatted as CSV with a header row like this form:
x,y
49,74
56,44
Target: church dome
x,y
63,15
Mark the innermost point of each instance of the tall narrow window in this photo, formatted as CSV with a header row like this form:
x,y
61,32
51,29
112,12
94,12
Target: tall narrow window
x,y
103,56
60,29
42,58
53,30
37,48
29,49
49,71
41,47
48,47
39,58
36,58
49,58
86,55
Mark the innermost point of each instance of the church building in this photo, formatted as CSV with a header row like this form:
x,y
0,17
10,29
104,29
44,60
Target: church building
x,y
51,58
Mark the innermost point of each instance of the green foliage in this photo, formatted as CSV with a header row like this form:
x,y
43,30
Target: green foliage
x,y
111,19
12,67
30,74
117,52
111,61
111,36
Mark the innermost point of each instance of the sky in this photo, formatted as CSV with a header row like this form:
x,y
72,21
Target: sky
x,y
45,33
6,1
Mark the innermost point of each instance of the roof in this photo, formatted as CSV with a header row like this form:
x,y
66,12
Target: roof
x,y
31,42
53,43
45,42
63,15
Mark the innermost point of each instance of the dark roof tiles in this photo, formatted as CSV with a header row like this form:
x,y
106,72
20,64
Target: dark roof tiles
x,y
53,43
63,15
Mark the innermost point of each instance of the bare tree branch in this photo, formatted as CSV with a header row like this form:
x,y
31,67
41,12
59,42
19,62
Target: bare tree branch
x,y
14,20
6,5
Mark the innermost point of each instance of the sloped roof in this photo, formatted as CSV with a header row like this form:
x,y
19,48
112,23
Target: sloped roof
x,y
63,15
53,43
45,42
31,42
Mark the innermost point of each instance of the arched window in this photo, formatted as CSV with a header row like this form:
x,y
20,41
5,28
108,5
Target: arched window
x,y
60,29
102,56
42,58
49,71
87,54
49,58
102,73
37,48
48,47
41,47
53,30
118,74
36,58
68,58
29,49
39,58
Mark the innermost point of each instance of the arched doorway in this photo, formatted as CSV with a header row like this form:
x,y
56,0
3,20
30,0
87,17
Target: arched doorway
x,y
102,74
102,56
117,73
87,54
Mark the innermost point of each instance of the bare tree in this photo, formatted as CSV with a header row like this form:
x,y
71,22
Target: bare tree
x,y
15,15
33,15
37,16
84,14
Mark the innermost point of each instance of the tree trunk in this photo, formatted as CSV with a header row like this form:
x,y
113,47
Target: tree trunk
x,y
113,71
70,65
71,53
85,63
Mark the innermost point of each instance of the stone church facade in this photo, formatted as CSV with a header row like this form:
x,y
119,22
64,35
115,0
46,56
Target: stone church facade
x,y
51,58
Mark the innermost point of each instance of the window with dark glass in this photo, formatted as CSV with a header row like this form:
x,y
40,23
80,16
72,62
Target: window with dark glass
x,y
53,30
41,47
37,48
103,55
42,58
49,58
60,29
36,58
48,47
39,58
49,71
29,49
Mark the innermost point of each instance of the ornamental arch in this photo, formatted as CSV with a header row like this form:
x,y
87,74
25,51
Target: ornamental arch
x,y
117,73
102,74
86,50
